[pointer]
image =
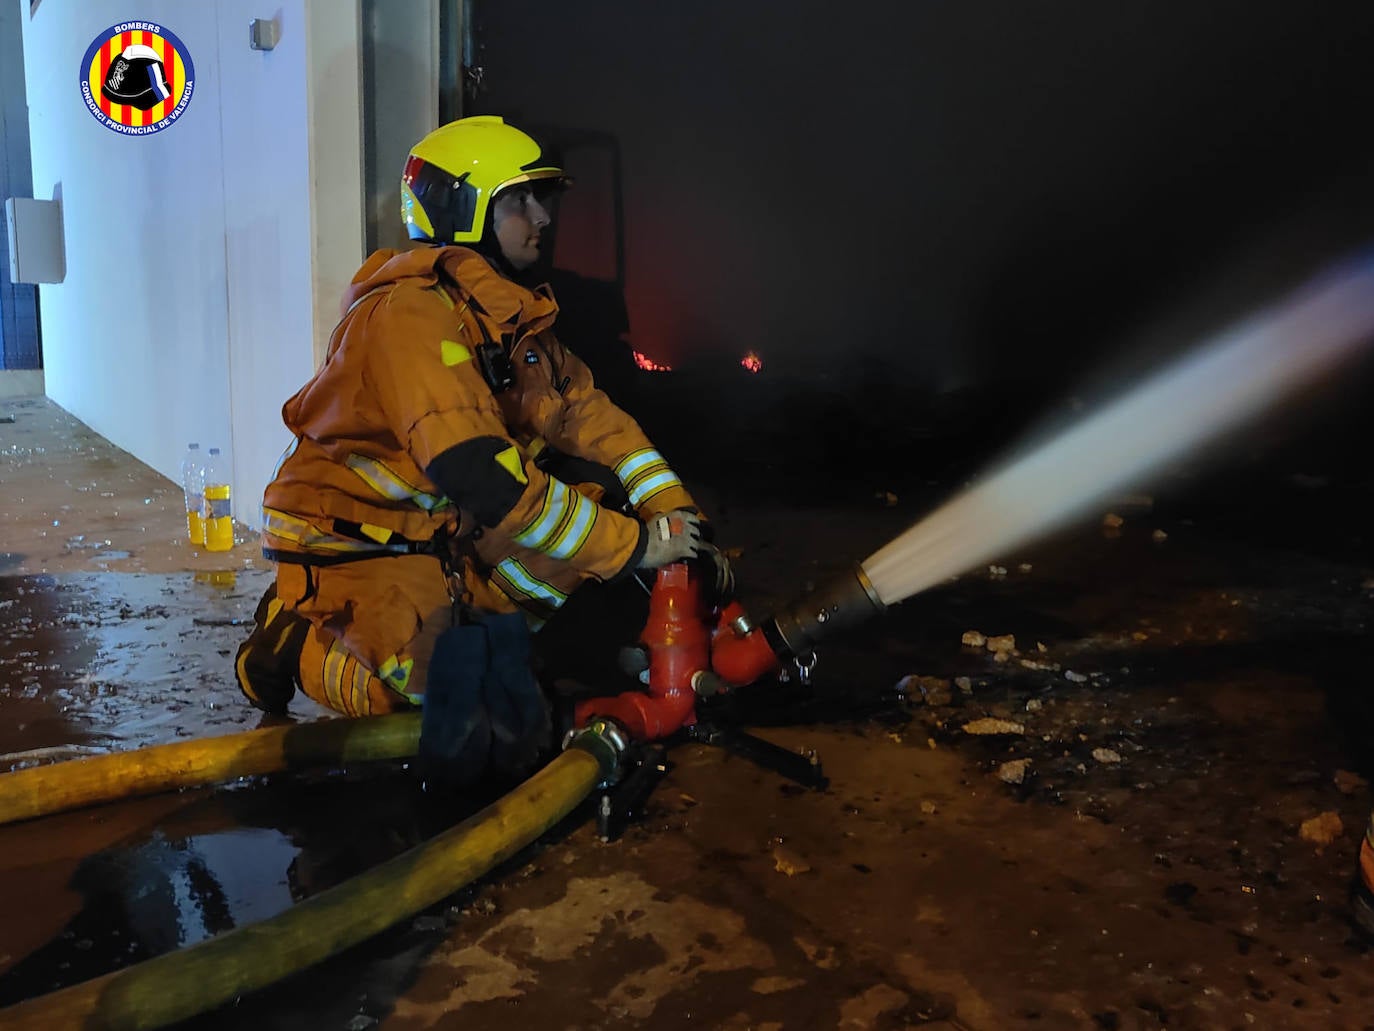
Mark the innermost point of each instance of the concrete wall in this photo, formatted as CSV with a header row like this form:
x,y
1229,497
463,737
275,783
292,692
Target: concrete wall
x,y
204,262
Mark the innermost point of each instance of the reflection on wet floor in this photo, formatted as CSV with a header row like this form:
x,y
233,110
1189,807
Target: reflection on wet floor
x,y
141,900
120,660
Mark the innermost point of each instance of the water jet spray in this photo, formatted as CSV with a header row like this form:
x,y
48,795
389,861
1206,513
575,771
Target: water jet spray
x,y
1227,380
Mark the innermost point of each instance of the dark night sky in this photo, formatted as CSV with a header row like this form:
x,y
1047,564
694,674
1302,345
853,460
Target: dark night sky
x,y
959,193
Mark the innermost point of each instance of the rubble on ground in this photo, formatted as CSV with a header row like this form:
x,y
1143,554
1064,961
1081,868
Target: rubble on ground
x,y
785,861
1002,643
1014,770
930,690
1322,829
991,725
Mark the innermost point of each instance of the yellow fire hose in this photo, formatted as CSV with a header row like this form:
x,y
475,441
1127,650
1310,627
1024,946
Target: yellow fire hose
x,y
41,790
181,984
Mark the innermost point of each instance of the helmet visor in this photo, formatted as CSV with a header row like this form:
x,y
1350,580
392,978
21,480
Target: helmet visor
x,y
449,202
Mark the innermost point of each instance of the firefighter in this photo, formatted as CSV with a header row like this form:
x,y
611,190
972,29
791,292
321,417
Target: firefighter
x,y
455,474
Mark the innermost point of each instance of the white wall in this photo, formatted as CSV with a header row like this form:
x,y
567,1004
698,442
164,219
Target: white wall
x,y
204,262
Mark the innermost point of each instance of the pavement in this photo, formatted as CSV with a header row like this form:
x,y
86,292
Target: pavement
x,y
1114,780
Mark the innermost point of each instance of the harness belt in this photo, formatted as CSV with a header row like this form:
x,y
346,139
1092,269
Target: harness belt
x,y
349,542
304,558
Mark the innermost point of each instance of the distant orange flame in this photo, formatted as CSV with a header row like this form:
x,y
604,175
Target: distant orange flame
x,y
649,365
752,362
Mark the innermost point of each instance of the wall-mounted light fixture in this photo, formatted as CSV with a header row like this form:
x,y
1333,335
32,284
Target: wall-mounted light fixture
x,y
263,33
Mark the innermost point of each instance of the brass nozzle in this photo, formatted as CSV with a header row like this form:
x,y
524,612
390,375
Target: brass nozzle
x,y
841,604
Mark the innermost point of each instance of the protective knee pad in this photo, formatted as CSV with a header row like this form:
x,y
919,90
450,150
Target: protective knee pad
x,y
267,665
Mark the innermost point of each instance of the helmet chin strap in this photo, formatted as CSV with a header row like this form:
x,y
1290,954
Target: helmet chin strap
x,y
490,248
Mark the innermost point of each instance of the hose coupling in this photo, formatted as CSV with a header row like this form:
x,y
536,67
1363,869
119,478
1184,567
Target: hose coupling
x,y
604,740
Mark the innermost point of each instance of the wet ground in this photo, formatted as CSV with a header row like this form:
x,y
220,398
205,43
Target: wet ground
x,y
1124,847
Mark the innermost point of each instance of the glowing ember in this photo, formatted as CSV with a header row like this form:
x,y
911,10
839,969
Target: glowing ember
x,y
649,365
752,362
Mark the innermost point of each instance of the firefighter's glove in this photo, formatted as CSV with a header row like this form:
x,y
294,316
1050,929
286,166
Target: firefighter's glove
x,y
483,708
672,537
519,714
455,730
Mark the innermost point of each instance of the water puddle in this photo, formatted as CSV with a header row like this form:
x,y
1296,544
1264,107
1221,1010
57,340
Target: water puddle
x,y
89,892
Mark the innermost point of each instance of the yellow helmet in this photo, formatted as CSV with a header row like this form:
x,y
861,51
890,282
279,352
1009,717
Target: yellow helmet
x,y
452,174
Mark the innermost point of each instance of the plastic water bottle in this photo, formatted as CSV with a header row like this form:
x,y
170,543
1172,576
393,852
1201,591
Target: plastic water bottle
x,y
192,485
219,522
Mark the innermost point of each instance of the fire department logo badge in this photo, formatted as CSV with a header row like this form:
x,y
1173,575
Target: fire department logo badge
x,y
137,78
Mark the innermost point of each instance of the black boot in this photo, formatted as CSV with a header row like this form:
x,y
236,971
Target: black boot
x,y
268,664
